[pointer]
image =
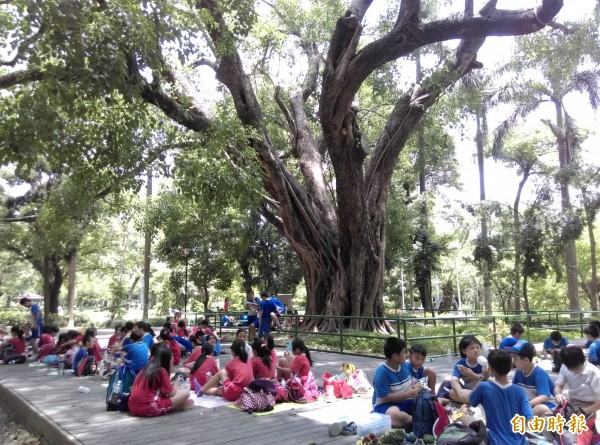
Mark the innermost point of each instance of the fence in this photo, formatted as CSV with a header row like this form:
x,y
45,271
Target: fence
x,y
440,334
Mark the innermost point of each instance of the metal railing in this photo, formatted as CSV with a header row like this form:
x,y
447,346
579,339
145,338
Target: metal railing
x,y
440,333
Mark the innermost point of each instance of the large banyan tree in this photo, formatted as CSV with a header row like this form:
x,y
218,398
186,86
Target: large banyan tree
x,y
324,187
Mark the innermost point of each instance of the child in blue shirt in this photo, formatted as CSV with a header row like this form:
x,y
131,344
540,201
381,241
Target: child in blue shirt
x,y
393,390
592,333
501,401
466,369
137,352
536,382
37,324
417,354
87,343
265,310
555,342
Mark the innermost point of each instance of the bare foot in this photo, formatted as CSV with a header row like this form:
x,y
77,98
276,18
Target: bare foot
x,y
189,404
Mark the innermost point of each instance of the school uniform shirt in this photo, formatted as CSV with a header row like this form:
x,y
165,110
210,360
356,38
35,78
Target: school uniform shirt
x,y
549,344
136,355
594,353
260,370
174,347
35,310
46,339
197,352
469,383
97,351
148,340
18,344
501,403
182,332
206,370
416,374
240,376
113,341
301,366
80,355
387,380
583,386
536,383
274,361
143,400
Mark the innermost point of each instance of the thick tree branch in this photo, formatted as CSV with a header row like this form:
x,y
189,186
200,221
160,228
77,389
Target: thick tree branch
x,y
358,8
20,77
28,218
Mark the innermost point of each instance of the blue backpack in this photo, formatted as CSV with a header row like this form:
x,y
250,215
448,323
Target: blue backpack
x,y
424,414
119,389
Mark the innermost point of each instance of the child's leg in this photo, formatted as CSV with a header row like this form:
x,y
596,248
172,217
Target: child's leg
x,y
461,396
541,410
284,362
180,400
211,387
275,320
399,418
431,378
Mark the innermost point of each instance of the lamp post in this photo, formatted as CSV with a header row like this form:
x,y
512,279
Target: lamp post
x,y
186,252
454,246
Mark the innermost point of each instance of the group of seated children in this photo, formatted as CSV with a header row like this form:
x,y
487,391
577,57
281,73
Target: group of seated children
x,y
479,381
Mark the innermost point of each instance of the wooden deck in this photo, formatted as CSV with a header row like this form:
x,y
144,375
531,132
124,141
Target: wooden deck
x,y
51,406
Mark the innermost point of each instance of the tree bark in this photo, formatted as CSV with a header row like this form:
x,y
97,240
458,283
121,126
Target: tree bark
x,y
485,270
71,286
517,236
590,214
147,250
570,250
53,280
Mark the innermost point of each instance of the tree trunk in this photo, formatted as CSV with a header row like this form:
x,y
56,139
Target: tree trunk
x,y
590,214
517,236
71,288
147,250
565,157
525,296
485,270
53,280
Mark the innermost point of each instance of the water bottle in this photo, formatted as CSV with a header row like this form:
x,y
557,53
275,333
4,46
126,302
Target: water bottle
x,y
101,368
83,389
117,388
449,356
61,366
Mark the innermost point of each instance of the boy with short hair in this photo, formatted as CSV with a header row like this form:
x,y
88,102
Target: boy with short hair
x,y
417,354
583,380
501,401
393,390
555,342
536,382
87,343
37,324
516,333
592,333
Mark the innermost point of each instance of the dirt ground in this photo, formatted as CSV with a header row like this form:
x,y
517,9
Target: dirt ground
x,y
12,433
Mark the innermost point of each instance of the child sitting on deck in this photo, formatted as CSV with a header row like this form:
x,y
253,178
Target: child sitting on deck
x,y
394,392
203,368
516,333
466,369
153,394
501,401
536,382
235,377
262,365
300,364
14,348
417,354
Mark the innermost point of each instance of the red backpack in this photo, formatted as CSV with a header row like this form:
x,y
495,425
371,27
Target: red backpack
x,y
87,366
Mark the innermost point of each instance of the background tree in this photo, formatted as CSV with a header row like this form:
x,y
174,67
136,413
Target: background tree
x,y
336,225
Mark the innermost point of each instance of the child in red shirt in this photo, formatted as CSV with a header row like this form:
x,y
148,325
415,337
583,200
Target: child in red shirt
x,y
46,343
182,330
262,365
299,365
203,368
173,345
152,393
235,377
115,338
18,343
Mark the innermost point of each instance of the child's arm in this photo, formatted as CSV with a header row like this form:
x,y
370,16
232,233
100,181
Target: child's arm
x,y
538,400
394,397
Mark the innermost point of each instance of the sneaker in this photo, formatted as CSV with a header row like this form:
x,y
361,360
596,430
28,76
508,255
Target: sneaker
x,y
335,429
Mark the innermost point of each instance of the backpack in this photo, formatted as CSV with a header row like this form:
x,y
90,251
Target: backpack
x,y
256,401
87,366
295,390
119,388
459,434
569,438
424,414
7,350
442,419
556,361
